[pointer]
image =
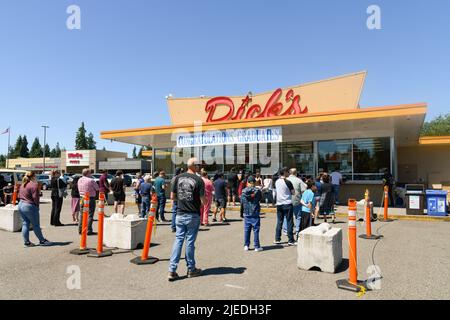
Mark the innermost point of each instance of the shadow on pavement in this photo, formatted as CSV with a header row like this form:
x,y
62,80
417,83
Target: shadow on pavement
x,y
59,244
223,270
274,247
343,266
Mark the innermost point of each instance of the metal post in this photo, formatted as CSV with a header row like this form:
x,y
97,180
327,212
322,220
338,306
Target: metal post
x,y
45,136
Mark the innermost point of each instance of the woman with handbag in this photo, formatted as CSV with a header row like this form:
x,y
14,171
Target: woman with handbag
x,y
58,194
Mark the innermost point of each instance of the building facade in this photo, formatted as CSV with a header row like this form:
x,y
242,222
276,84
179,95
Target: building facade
x,y
314,127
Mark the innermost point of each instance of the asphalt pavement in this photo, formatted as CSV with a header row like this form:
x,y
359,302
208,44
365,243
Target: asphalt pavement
x,y
413,258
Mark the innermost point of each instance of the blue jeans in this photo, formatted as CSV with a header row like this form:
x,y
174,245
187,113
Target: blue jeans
x,y
336,193
174,215
145,206
187,228
249,224
30,214
161,207
282,212
298,218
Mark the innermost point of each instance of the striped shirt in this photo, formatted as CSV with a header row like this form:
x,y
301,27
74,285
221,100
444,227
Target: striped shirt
x,y
86,184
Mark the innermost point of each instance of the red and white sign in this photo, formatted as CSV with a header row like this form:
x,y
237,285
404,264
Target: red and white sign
x,y
273,108
77,158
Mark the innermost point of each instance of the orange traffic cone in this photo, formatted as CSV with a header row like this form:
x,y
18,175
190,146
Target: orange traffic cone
x,y
386,204
352,283
83,248
100,253
144,258
368,234
15,193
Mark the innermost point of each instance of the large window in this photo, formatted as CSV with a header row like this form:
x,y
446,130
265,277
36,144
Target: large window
x,y
299,155
336,155
163,161
371,157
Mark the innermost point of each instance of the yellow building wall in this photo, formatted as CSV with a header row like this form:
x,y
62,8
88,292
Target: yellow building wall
x,y
427,164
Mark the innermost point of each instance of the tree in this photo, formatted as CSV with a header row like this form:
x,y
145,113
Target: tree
x,y
17,148
2,161
439,126
90,142
55,152
47,151
36,149
134,155
24,151
80,138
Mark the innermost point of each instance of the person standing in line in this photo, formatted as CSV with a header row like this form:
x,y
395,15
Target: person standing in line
x,y
189,191
145,191
118,189
317,189
75,203
58,194
160,188
233,182
87,185
220,195
258,179
267,191
388,181
178,171
137,194
308,205
29,210
326,200
209,190
336,181
242,186
299,188
3,184
103,184
251,202
285,190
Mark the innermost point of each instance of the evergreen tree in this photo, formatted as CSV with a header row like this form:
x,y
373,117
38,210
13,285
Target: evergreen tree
x,y
55,152
24,151
139,156
91,144
134,155
36,149
439,126
2,161
80,139
17,148
47,151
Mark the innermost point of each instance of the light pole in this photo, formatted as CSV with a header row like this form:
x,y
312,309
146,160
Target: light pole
x,y
45,136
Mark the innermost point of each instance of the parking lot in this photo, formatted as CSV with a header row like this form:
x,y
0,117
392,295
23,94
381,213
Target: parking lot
x,y
413,256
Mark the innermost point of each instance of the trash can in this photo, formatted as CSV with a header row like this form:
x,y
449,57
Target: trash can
x,y
437,202
415,199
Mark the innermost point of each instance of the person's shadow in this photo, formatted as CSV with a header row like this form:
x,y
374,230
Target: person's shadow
x,y
218,271
58,244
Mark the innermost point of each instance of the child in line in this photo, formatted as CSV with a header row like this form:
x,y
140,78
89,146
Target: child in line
x,y
308,205
251,198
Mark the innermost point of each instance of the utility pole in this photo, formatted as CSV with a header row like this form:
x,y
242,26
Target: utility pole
x,y
45,136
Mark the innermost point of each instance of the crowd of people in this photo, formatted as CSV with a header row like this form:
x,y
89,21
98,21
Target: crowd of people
x,y
298,201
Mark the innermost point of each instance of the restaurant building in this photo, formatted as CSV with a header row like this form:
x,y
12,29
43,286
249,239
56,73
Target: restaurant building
x,y
314,127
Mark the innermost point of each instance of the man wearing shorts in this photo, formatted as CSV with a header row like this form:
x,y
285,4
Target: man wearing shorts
x,y
233,183
118,188
220,196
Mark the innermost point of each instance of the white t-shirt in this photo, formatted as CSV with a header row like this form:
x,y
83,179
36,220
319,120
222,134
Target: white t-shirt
x,y
284,195
336,178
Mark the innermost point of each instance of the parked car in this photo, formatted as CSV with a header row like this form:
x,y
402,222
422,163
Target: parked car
x,y
13,176
127,180
44,180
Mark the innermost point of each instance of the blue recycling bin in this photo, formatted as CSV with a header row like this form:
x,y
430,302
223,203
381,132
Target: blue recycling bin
x,y
436,202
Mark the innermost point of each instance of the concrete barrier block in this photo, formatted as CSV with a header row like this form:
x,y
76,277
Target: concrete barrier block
x,y
124,232
320,247
10,219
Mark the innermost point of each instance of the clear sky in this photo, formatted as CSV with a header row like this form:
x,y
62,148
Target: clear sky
x,y
115,72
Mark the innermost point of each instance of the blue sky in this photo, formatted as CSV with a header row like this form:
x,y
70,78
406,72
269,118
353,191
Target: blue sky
x,y
115,72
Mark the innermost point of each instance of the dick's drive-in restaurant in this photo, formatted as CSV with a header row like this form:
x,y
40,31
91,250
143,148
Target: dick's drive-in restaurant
x,y
314,127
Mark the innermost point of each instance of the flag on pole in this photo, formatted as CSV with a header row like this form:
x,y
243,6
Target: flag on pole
x,y
6,131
